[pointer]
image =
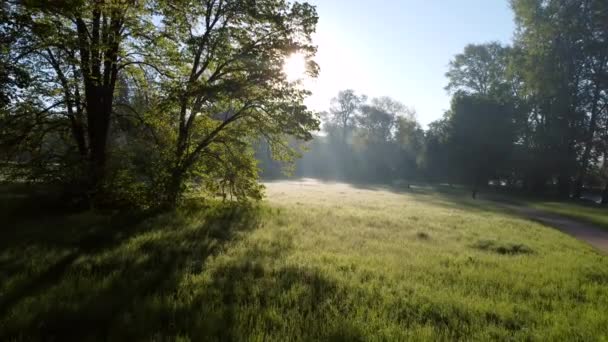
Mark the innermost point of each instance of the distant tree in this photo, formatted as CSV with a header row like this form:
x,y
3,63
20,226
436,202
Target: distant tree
x,y
387,144
436,155
480,69
394,107
481,137
410,140
344,109
375,125
377,128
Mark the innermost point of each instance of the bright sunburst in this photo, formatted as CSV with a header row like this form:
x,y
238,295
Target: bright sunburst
x,y
294,66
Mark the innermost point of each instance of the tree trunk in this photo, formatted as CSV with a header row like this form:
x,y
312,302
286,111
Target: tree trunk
x,y
578,186
605,172
563,186
578,189
475,187
79,136
99,109
98,61
173,190
605,194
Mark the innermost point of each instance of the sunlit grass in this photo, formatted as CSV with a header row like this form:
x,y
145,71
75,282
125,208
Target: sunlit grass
x,y
316,261
590,213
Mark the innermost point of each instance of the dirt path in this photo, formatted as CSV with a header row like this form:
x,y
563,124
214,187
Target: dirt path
x,y
594,236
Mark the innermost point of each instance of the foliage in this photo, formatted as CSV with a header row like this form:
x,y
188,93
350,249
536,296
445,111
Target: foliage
x,y
228,89
57,125
550,99
564,66
343,112
480,69
133,103
380,141
481,137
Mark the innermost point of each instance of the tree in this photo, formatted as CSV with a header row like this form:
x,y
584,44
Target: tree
x,y
163,94
410,140
376,137
230,88
435,158
343,110
76,51
13,76
564,66
481,137
375,125
393,107
480,69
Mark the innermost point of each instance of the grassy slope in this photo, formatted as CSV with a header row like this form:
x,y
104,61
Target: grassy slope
x,y
594,214
589,212
320,261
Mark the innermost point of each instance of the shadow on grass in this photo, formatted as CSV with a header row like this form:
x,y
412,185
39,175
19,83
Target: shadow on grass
x,y
79,272
148,277
247,300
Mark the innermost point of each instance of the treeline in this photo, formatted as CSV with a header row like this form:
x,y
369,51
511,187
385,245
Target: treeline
x,y
366,141
532,115
137,103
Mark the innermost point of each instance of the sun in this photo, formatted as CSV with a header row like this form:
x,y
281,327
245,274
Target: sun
x,y
294,66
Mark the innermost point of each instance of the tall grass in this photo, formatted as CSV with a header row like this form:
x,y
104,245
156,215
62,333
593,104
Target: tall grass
x,y
317,261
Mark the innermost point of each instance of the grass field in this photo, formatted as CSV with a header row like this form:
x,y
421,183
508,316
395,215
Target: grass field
x,y
580,210
591,213
316,261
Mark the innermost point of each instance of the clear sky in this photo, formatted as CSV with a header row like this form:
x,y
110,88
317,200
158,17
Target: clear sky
x,y
400,48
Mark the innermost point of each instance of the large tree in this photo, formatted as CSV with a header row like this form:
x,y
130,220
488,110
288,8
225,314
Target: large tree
x,y
165,94
229,88
564,67
480,69
74,52
343,111
480,139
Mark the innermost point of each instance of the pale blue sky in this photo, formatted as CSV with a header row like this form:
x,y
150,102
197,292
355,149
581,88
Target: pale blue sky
x,y
400,48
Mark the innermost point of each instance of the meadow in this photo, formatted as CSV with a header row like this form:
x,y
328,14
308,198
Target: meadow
x,y
314,261
588,212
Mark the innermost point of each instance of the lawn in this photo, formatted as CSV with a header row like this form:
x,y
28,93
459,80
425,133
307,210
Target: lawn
x,y
320,261
588,212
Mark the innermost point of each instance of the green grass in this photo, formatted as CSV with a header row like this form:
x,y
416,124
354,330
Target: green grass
x,y
583,211
314,262
594,214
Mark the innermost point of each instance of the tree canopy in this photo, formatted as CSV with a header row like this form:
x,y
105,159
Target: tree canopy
x,y
133,100
530,115
140,103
